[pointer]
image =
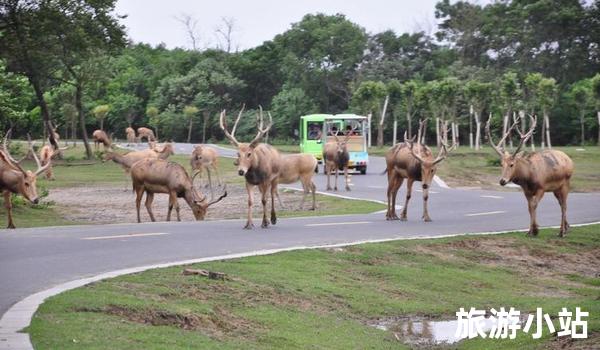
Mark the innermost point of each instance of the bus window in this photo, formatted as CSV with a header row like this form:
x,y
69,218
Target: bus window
x,y
315,131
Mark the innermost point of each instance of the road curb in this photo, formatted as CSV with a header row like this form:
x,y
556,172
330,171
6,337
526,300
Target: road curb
x,y
19,316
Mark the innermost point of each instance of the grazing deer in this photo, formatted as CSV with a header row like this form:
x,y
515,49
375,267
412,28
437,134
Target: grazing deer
x,y
259,163
100,137
130,132
413,162
536,173
146,133
299,167
15,179
336,157
205,158
160,176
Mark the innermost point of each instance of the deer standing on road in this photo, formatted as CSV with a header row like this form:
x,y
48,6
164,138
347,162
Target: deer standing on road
x,y
146,133
413,162
536,173
299,167
100,137
259,163
15,179
205,158
130,132
160,176
336,157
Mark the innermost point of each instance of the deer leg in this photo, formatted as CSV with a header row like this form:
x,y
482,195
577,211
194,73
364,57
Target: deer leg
x,y
346,176
561,194
425,217
274,192
263,200
337,170
328,172
149,199
532,202
172,201
399,180
409,184
394,183
8,206
313,188
139,192
250,190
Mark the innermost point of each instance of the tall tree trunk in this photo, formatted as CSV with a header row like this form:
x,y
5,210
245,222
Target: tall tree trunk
x,y
102,124
582,123
379,135
598,115
381,122
79,107
39,94
532,139
369,117
205,115
395,133
409,124
504,128
547,121
471,126
74,131
190,130
437,133
477,131
543,141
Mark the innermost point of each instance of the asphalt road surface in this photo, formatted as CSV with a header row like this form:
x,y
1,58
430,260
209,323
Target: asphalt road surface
x,y
35,259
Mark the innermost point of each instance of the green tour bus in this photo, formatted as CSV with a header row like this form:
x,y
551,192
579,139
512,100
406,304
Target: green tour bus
x,y
318,129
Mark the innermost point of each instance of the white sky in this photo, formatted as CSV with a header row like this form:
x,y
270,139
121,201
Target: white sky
x,y
153,21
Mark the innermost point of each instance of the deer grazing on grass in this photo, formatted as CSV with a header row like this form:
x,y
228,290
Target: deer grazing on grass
x,y
100,137
205,158
259,163
336,157
130,132
146,133
413,162
536,173
299,167
15,179
160,176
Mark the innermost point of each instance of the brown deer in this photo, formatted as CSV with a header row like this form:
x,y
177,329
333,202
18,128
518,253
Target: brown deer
x,y
205,158
15,179
100,137
160,176
146,133
130,132
413,162
46,154
259,163
299,167
336,157
536,173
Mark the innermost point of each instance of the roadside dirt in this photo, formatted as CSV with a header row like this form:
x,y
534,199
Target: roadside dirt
x,y
114,204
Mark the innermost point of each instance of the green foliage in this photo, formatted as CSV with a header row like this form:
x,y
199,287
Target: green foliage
x,y
287,107
368,97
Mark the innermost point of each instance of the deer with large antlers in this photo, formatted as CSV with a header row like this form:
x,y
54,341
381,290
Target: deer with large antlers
x,y
335,158
146,133
259,163
536,173
15,179
153,176
413,162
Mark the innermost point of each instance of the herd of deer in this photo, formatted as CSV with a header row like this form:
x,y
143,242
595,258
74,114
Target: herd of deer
x,y
264,167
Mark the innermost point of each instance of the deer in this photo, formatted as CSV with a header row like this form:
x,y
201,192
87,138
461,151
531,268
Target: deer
x,y
100,137
15,179
413,162
258,163
336,157
152,176
299,167
127,160
131,138
146,133
205,158
536,172
46,154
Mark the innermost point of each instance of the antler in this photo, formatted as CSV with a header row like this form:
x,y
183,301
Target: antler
x,y
9,157
444,150
261,131
410,143
40,168
223,125
220,197
526,136
497,147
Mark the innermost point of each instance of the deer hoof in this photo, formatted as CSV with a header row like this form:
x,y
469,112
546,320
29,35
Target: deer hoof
x,y
273,220
348,188
427,219
328,188
403,218
249,226
533,231
11,226
265,224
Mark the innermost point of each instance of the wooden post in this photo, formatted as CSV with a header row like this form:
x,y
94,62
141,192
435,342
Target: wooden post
x,y
370,132
547,121
471,126
437,132
395,133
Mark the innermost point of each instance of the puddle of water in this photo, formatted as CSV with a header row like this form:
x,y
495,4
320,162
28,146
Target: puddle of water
x,y
426,332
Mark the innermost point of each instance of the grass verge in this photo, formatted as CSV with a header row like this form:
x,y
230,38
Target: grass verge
x,y
325,298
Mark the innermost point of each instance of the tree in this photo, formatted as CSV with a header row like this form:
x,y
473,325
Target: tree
x,y
153,119
190,112
409,95
510,93
189,23
532,86
596,96
449,91
100,113
580,95
69,112
15,99
287,107
224,34
368,98
547,91
478,95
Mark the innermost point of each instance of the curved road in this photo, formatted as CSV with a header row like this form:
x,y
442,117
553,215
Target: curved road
x,y
35,259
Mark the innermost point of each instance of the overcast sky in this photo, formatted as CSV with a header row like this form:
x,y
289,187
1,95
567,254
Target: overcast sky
x,y
154,21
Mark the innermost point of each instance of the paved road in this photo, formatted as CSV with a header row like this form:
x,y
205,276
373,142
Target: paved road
x,y
35,259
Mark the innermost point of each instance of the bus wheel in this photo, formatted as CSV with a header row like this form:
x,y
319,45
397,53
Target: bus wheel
x,y
363,170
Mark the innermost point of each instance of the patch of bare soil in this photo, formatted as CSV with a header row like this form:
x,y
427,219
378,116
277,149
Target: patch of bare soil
x,y
114,204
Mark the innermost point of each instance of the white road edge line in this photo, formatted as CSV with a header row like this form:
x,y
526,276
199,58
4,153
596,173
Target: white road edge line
x,y
487,213
490,196
19,315
130,235
339,223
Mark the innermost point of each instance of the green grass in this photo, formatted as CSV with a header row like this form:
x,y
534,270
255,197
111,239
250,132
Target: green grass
x,y
323,299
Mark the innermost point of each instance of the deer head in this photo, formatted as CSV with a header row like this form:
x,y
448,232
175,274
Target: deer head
x,y
200,203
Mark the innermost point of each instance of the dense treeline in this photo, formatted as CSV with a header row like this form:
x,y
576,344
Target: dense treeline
x,y
69,61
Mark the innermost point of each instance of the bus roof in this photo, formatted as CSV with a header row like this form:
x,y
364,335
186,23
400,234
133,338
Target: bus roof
x,y
346,116
316,117
322,117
